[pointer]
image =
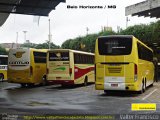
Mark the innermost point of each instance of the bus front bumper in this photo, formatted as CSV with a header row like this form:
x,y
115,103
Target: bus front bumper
x,y
117,86
20,80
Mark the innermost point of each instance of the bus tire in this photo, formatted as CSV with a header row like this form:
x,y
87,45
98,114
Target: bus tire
x,y
23,85
44,81
152,83
30,85
106,91
1,77
143,87
145,84
86,81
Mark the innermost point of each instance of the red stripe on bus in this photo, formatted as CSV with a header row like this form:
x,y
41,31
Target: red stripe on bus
x,y
80,72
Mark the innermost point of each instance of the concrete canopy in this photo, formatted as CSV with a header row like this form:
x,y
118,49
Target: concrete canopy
x,y
148,8
3,18
28,7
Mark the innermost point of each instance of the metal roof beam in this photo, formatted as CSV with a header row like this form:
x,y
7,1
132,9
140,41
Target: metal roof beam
x,y
39,14
28,6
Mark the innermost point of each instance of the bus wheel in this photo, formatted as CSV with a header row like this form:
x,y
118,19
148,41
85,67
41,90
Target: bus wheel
x,y
44,81
86,81
105,91
152,84
143,88
30,85
1,77
23,85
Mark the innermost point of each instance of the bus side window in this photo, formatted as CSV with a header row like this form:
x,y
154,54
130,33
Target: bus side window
x,y
76,58
39,57
139,51
144,53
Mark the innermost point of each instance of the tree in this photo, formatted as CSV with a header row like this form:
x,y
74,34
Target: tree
x,y
3,51
84,43
146,33
46,46
66,44
40,46
28,45
72,44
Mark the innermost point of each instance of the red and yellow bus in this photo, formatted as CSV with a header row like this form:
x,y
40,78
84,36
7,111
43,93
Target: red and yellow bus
x,y
69,67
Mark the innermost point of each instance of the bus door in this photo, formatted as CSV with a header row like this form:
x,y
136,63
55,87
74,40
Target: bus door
x,y
39,65
59,66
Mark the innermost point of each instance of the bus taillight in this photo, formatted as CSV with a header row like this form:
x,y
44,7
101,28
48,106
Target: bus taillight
x,y
135,69
47,71
31,70
70,71
135,72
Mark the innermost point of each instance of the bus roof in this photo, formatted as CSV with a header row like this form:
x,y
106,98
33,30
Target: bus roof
x,y
32,49
42,50
119,36
75,51
144,45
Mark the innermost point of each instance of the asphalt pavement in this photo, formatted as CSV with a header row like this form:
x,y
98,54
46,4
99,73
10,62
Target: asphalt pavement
x,y
78,100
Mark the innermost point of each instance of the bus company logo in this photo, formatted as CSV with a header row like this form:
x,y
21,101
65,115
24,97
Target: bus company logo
x,y
18,54
58,55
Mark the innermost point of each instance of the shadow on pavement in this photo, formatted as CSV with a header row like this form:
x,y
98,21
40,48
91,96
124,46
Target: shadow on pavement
x,y
63,87
125,93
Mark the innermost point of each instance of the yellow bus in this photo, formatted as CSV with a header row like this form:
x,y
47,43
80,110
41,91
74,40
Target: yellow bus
x,y
27,66
69,67
3,67
123,63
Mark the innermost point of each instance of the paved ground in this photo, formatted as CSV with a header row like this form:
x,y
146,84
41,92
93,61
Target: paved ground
x,y
79,100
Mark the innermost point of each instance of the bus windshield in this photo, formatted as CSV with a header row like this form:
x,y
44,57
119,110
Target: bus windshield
x,y
114,46
3,60
59,56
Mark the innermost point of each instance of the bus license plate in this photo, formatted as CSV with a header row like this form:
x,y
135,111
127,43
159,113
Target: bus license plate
x,y
58,78
114,85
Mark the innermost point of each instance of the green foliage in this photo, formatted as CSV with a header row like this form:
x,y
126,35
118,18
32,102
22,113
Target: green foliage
x,y
89,42
28,45
138,31
40,46
85,43
3,51
46,46
105,33
145,33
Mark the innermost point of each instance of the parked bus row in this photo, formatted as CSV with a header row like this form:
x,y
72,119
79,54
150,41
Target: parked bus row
x,y
122,62
61,66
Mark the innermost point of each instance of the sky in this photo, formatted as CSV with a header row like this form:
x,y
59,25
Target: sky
x,y
67,23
